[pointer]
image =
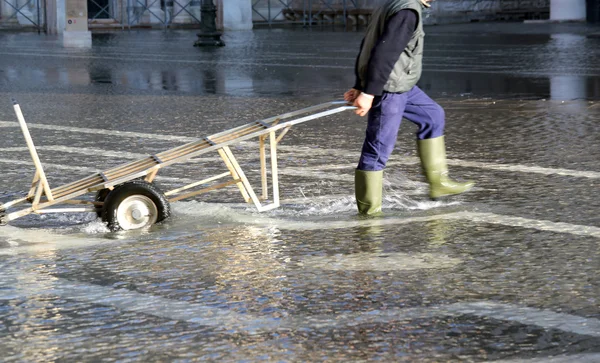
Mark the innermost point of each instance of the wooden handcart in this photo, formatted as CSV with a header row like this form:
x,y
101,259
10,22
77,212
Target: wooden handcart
x,y
126,197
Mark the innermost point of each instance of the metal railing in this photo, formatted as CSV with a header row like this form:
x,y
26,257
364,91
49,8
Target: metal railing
x,y
36,19
306,12
524,4
160,11
103,10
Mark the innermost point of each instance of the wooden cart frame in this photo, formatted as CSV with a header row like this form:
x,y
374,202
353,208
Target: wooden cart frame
x,y
41,196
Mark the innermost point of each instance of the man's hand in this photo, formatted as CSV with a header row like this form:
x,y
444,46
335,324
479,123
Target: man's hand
x,y
364,103
426,3
351,95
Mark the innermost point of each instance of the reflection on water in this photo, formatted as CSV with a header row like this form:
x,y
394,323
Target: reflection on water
x,y
558,66
222,81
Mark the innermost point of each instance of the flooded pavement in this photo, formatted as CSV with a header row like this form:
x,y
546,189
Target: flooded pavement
x,y
507,272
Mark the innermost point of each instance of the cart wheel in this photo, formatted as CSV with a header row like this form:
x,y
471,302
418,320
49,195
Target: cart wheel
x,y
133,205
100,197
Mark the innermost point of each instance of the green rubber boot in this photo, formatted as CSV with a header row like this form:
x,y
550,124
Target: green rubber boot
x,y
368,186
433,160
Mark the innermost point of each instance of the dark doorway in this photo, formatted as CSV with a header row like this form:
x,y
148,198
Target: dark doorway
x,y
98,9
593,11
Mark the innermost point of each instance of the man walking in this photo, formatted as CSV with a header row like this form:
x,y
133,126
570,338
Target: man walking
x,y
388,68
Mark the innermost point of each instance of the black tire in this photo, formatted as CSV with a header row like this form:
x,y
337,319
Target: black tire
x,y
135,189
100,197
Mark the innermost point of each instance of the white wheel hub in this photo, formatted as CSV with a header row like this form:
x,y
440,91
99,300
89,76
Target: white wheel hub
x,y
136,211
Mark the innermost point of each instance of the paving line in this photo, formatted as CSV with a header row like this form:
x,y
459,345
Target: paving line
x,y
543,318
411,160
407,160
26,285
380,261
113,133
525,169
563,358
477,217
540,225
39,241
489,218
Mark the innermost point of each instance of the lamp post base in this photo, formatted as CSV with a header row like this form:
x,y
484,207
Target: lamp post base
x,y
208,36
209,40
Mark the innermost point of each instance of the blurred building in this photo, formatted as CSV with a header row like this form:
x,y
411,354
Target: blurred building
x,y
51,15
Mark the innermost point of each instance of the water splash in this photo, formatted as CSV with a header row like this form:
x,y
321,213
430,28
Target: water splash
x,y
381,261
95,227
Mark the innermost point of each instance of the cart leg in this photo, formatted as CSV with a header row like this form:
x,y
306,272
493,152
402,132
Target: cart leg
x,y
33,151
13,203
242,176
234,174
274,171
283,132
38,194
34,183
263,168
12,216
150,177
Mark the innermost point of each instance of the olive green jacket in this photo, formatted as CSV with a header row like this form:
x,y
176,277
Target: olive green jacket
x,y
407,70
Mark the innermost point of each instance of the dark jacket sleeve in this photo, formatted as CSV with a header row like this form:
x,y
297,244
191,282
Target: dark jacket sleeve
x,y
398,30
357,84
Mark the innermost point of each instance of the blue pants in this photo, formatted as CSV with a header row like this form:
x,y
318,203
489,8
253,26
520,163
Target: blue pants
x,y
384,121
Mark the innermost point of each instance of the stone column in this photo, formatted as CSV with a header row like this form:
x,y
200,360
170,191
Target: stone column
x,y
234,14
567,87
76,33
51,12
567,10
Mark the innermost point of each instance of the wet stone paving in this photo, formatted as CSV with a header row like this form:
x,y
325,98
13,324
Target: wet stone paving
x,y
508,272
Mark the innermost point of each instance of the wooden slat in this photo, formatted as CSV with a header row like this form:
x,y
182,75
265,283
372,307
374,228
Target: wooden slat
x,y
68,186
132,166
182,148
236,129
81,184
245,131
263,124
76,183
250,129
230,137
172,154
129,166
145,165
205,190
110,184
207,180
